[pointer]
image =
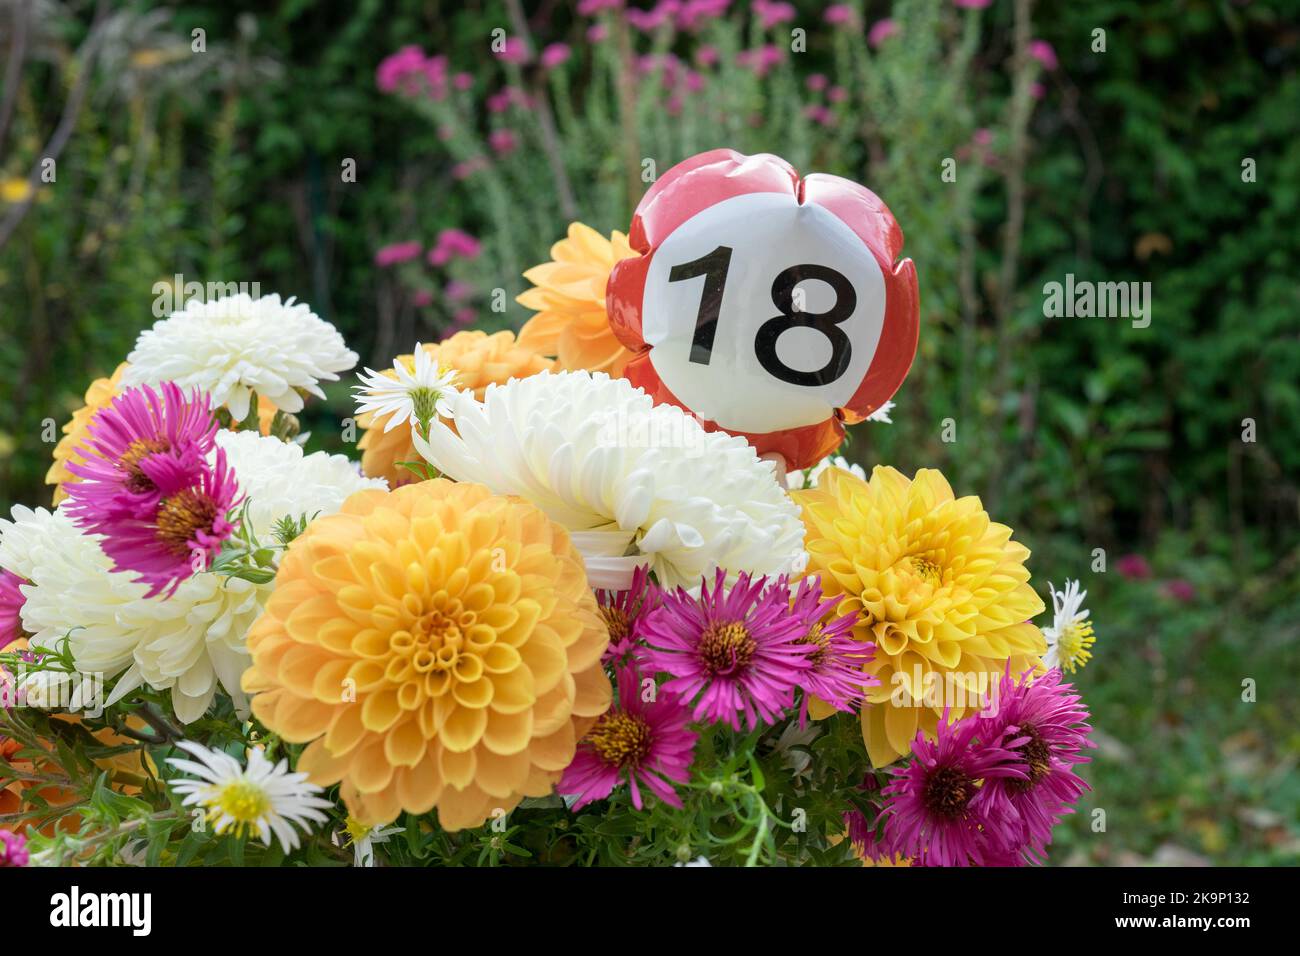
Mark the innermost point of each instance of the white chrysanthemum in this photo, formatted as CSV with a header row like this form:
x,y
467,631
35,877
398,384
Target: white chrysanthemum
x,y
797,480
19,537
407,397
236,346
634,482
263,798
280,481
1070,636
194,640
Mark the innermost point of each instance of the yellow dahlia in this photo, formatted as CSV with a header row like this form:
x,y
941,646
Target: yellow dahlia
x,y
940,589
100,393
569,298
479,360
438,646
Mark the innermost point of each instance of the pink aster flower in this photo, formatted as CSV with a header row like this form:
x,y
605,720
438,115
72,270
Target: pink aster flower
x,y
396,253
646,743
13,849
624,611
817,82
971,4
1044,725
144,438
182,535
837,94
706,56
936,810
597,33
11,605
734,653
835,674
1180,589
590,8
457,291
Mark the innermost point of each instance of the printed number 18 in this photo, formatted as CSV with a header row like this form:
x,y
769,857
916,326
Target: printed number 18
x,y
714,267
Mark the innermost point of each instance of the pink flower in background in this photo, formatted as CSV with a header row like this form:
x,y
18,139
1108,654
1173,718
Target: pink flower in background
x,y
839,14
555,54
1037,90
971,4
402,71
673,105
396,253
706,56
694,82
982,137
647,21
837,94
817,82
454,244
512,51
421,298
694,13
881,31
762,59
11,605
1043,52
1134,567
589,8
736,654
597,32
1180,589
819,114
463,81
503,141
645,743
463,318
771,14
469,167
457,291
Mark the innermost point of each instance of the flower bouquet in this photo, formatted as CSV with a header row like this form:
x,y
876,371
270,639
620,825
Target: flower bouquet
x,y
560,611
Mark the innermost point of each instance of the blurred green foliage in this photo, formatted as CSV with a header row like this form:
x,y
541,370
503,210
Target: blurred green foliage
x,y
1123,165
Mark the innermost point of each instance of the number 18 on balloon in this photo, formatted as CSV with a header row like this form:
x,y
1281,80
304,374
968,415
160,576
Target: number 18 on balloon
x,y
770,306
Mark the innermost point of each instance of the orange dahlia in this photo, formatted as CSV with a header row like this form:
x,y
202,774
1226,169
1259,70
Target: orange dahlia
x,y
480,360
569,298
100,393
438,646
940,588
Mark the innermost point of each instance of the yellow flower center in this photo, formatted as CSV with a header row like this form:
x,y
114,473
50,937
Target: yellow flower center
x,y
1073,645
947,792
926,569
616,623
726,648
136,452
621,739
183,515
816,636
356,830
1037,755
242,801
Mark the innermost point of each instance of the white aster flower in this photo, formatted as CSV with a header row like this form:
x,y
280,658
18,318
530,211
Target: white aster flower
x,y
194,640
881,414
405,395
236,346
261,798
1070,636
634,482
362,839
698,861
797,480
